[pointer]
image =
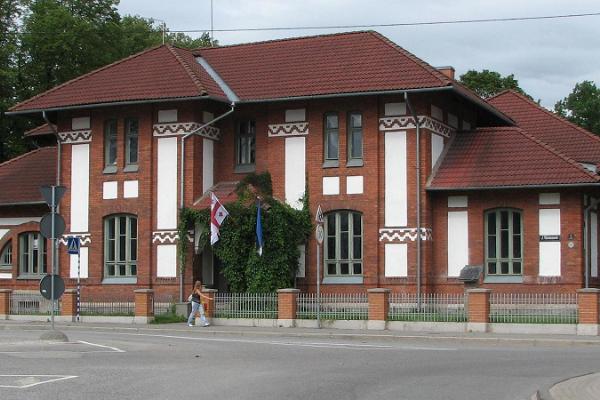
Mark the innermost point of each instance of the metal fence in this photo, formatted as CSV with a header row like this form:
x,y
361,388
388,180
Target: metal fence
x,y
246,305
164,304
429,307
31,303
534,308
107,305
334,306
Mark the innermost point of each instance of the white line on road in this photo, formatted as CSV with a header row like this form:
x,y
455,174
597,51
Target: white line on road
x,y
114,349
55,378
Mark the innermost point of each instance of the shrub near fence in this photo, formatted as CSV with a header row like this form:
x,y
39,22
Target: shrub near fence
x,y
246,305
334,306
432,307
534,308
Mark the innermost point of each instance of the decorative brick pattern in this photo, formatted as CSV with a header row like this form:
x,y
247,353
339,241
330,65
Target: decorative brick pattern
x,y
403,234
75,137
84,238
289,129
401,123
184,128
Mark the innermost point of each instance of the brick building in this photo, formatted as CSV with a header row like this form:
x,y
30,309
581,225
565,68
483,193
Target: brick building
x,y
417,175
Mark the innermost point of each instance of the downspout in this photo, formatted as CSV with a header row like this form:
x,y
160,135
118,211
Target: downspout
x,y
418,197
58,171
586,224
182,177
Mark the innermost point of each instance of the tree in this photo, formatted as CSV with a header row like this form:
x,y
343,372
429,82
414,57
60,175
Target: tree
x,y
582,106
489,83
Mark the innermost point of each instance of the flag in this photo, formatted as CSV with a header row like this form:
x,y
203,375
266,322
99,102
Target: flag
x,y
259,236
217,214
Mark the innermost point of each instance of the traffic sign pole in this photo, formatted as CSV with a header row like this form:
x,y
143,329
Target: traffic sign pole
x,y
319,235
78,284
53,239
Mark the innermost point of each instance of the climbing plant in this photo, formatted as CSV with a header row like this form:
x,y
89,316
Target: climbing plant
x,y
284,228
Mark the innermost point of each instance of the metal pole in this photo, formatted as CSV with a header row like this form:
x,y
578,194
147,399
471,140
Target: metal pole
x,y
53,240
318,286
212,33
78,283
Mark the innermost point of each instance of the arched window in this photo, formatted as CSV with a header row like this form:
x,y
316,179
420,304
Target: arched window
x,y
343,243
32,254
504,242
120,246
6,256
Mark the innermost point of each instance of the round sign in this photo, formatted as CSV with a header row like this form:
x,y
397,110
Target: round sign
x,y
320,234
46,225
46,287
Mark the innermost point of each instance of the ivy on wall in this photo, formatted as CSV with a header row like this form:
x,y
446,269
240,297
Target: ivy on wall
x,y
284,228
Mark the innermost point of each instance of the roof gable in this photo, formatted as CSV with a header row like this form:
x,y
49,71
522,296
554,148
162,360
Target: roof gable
x,y
21,177
568,138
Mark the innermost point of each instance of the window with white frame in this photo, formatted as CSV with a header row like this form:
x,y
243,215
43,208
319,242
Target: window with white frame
x,y
120,246
355,138
504,242
132,128
343,244
32,254
6,256
110,145
332,138
245,145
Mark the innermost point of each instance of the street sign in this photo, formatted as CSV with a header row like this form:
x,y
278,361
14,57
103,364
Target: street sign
x,y
46,287
73,245
59,192
319,234
46,225
319,216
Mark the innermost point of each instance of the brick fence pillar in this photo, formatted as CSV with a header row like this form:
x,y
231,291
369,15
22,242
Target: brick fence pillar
x,y
144,306
69,303
379,305
209,303
287,300
5,303
588,304
478,306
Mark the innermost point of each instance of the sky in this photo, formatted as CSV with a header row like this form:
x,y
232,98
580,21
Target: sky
x,y
547,57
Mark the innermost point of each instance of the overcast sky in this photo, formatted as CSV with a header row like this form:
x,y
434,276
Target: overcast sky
x,y
547,56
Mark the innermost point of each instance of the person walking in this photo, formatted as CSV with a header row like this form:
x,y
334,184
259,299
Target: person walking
x,y
197,307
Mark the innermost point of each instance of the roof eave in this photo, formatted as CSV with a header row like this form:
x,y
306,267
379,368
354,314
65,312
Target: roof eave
x,y
23,203
539,186
485,105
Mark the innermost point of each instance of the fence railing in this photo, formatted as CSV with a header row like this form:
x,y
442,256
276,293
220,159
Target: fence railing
x,y
104,305
246,305
31,303
534,308
164,304
334,306
428,307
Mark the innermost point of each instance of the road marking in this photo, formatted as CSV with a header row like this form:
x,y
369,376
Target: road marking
x,y
55,378
114,349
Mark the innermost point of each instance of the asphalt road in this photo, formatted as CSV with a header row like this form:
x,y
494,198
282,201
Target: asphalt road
x,y
182,363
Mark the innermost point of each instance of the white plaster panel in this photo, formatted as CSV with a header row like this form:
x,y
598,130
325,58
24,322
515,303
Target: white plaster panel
x,y
3,232
295,170
453,120
396,260
550,221
549,259
130,189
549,198
297,115
208,164
166,260
395,109
437,146
331,185
301,273
5,275
109,190
437,113
396,207
165,116
458,201
458,242
83,266
354,184
80,187
80,123
166,201
594,244
18,221
207,116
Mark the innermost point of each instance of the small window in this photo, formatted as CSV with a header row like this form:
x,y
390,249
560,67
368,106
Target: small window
x,y
110,144
120,246
504,242
245,145
131,141
332,138
355,139
6,256
343,244
32,254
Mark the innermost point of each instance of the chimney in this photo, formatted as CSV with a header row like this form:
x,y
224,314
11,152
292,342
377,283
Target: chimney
x,y
448,71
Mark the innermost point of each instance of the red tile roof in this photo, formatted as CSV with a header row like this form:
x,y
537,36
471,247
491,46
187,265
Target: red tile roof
x,y
568,138
21,177
225,192
320,65
504,157
46,129
162,72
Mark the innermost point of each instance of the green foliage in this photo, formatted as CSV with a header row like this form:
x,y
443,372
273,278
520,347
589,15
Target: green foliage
x,y
284,228
582,106
489,83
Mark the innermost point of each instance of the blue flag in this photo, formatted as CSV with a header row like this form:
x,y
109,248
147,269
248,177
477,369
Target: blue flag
x,y
259,235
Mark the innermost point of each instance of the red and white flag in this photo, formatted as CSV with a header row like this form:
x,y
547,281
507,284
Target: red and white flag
x,y
217,214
